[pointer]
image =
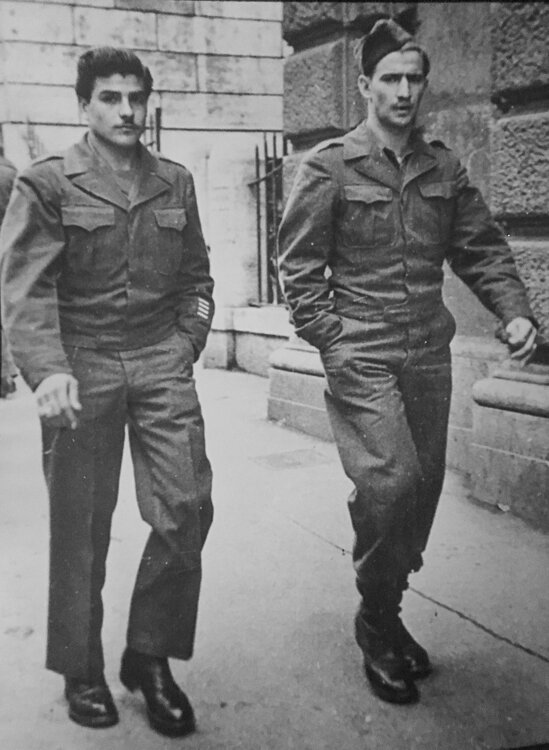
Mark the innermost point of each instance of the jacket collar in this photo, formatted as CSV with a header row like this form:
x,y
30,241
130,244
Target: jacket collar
x,y
366,154
86,170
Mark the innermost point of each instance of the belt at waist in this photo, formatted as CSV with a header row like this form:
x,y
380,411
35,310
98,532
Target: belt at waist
x,y
407,310
130,340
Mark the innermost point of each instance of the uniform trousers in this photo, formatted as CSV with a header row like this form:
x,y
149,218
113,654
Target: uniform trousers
x,y
150,390
388,398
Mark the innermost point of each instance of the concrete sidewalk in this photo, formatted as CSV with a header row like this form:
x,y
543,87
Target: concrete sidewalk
x,y
276,666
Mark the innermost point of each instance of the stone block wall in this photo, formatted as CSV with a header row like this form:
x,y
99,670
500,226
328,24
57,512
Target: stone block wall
x,y
519,39
217,68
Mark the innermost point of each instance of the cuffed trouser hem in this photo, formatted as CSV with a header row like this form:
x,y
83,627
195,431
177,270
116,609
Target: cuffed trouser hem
x,y
74,673
161,653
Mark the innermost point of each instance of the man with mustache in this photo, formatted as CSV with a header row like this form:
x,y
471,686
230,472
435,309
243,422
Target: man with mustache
x,y
107,303
381,209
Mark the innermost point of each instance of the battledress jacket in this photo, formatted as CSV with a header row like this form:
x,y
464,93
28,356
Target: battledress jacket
x,y
7,178
383,233
85,265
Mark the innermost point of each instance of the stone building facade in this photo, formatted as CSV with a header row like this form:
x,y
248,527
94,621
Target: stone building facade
x,y
488,99
217,68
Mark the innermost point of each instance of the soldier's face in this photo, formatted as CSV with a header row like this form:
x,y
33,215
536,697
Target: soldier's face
x,y
117,110
395,89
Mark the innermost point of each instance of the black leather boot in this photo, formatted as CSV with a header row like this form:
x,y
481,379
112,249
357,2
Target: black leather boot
x,y
168,707
90,703
415,655
384,663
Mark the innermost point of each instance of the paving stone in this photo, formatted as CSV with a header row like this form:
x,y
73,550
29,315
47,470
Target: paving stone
x,y
301,458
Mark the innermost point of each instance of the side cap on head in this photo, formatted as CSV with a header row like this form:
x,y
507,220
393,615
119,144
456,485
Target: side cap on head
x,y
385,37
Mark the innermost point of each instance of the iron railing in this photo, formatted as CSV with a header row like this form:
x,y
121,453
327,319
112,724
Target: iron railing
x,y
268,190
154,128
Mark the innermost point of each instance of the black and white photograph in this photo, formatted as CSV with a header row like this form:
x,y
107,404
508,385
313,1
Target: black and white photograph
x,y
274,413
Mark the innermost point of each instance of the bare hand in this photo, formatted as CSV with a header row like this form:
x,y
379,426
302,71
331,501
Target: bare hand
x,y
521,339
57,399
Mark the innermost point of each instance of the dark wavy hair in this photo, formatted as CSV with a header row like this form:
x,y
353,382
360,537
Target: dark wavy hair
x,y
102,62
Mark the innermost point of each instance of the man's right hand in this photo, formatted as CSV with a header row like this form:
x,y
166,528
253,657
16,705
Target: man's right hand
x,y
57,399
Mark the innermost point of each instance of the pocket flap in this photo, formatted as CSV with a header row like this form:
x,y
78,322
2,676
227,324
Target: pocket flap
x,y
438,189
368,193
87,217
171,218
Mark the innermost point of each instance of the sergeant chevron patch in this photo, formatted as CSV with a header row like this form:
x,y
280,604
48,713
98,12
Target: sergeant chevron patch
x,y
203,310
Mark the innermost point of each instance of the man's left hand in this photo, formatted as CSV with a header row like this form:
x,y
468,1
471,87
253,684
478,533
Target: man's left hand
x,y
521,339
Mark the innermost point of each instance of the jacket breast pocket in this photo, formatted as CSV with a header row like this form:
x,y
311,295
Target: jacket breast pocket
x,y
168,252
436,215
368,216
87,231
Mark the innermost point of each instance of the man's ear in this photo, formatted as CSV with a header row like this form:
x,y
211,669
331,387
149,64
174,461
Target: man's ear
x,y
364,86
83,107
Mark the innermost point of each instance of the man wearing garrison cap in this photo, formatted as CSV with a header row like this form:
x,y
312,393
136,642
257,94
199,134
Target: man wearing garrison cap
x,y
381,209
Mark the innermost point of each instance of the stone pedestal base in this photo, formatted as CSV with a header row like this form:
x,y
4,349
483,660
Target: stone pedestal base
x,y
296,389
509,457
245,337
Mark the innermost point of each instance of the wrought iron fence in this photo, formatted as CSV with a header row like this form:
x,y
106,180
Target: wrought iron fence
x,y
268,189
154,128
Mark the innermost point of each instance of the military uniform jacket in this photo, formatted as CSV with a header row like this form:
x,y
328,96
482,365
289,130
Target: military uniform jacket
x,y
85,265
7,177
383,232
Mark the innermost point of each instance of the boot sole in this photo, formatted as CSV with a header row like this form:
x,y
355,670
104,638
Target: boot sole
x,y
99,722
171,730
421,674
390,695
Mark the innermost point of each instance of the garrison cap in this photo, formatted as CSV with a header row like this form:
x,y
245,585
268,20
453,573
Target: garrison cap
x,y
385,37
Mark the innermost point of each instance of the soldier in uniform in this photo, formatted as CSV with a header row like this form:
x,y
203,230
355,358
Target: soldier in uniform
x,y
380,209
7,178
107,303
